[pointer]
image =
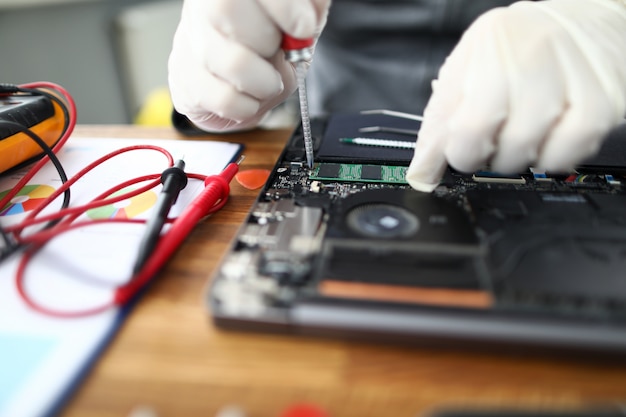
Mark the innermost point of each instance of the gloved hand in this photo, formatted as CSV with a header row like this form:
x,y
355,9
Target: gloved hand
x,y
226,69
534,84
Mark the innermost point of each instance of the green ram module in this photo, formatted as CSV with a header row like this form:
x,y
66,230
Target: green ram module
x,y
359,173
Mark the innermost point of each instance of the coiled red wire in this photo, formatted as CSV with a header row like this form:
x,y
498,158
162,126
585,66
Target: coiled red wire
x,y
65,219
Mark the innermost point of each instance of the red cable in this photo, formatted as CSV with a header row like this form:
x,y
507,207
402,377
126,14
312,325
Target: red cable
x,y
72,213
33,249
213,197
76,211
98,201
90,167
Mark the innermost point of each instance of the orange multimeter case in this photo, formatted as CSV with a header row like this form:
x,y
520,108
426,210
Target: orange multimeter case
x,y
38,113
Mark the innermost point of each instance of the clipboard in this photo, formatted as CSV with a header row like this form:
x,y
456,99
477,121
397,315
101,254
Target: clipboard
x,y
43,359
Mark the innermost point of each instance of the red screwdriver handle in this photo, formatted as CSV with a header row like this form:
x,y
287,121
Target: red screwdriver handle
x,y
297,50
290,43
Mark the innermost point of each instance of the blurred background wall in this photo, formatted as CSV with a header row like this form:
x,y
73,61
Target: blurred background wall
x,y
111,55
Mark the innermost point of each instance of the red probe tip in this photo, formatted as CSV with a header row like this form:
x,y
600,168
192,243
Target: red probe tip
x,y
227,174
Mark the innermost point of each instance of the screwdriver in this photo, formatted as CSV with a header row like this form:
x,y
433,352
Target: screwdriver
x,y
299,52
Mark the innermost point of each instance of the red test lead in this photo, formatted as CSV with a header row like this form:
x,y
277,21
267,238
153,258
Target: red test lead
x,y
212,198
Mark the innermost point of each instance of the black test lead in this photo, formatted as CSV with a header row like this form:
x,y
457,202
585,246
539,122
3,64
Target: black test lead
x,y
174,180
211,199
299,51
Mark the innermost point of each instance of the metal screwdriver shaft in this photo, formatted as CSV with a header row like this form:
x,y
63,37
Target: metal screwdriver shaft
x,y
304,113
299,51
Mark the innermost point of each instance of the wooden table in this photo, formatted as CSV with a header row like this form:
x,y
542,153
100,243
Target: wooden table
x,y
169,356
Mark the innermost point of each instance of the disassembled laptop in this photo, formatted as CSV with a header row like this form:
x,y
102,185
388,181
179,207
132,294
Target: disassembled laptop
x,y
348,248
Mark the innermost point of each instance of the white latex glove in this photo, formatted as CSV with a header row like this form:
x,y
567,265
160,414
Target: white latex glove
x,y
226,69
534,84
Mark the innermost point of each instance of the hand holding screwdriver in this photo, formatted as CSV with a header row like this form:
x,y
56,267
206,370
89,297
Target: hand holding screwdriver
x,y
227,68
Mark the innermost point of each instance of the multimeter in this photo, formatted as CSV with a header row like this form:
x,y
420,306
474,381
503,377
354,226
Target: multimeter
x,y
37,113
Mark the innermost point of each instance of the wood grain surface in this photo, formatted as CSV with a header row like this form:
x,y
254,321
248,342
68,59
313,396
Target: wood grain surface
x,y
170,357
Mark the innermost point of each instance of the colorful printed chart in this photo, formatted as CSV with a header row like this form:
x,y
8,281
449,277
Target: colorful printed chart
x,y
125,209
29,198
